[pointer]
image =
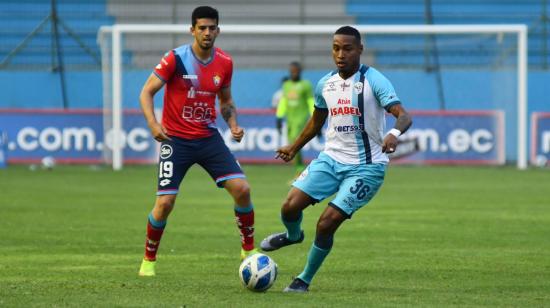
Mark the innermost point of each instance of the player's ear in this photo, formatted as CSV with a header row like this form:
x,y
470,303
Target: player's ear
x,y
360,48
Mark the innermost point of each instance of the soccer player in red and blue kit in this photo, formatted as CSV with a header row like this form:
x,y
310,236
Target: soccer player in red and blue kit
x,y
194,75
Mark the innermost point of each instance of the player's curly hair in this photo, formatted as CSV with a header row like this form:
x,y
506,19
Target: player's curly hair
x,y
348,30
204,12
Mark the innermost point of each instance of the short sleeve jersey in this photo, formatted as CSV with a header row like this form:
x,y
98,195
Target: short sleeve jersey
x,y
191,87
356,114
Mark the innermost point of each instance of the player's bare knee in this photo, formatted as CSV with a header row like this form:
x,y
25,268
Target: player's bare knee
x,y
288,205
241,193
325,225
166,202
164,205
291,208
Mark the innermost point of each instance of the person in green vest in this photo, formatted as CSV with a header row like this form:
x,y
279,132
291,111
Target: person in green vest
x,y
295,106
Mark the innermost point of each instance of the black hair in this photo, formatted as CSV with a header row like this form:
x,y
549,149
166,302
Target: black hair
x,y
296,64
347,30
204,12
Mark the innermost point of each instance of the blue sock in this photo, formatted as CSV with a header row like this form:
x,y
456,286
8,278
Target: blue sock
x,y
315,259
293,228
157,224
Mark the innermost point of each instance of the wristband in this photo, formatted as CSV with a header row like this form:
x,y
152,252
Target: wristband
x,y
395,132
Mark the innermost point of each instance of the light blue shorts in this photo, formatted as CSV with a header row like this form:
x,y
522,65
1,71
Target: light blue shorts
x,y
355,184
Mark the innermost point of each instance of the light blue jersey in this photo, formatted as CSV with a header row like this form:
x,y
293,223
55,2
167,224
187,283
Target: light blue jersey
x,y
352,164
356,119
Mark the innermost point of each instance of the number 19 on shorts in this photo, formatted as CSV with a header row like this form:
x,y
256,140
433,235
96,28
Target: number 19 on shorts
x,y
166,169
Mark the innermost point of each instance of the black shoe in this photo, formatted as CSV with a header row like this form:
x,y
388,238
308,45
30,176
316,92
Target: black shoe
x,y
297,286
278,240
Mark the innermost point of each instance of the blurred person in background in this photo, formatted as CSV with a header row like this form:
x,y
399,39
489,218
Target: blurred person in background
x,y
295,107
276,98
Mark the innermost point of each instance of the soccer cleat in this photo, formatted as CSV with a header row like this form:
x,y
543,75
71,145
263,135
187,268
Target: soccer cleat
x,y
278,240
147,268
247,253
297,286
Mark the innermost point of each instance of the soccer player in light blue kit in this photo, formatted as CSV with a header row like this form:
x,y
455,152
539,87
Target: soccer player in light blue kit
x,y
355,99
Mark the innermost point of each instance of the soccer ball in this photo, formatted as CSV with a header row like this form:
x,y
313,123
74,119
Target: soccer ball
x,y
541,161
258,272
48,162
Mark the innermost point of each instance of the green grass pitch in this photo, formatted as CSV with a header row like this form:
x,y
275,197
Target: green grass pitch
x,y
433,236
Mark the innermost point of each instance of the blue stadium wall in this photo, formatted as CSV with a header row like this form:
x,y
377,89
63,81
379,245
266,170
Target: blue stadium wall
x,y
253,89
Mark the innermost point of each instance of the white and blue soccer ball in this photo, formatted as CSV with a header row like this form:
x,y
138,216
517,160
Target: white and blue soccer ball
x,y
48,162
258,272
541,161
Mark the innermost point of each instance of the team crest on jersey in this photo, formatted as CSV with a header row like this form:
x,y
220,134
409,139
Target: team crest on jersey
x,y
358,87
217,79
165,151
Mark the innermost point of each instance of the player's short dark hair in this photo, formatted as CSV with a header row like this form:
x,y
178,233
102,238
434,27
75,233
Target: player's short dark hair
x,y
204,12
296,64
347,30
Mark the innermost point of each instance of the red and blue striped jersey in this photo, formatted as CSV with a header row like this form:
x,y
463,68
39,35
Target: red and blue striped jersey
x,y
191,87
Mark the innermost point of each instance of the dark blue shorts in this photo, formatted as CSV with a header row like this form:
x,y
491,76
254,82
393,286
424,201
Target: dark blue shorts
x,y
178,155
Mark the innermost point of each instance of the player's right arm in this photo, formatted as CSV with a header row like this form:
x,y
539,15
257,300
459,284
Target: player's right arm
x,y
162,73
313,127
151,87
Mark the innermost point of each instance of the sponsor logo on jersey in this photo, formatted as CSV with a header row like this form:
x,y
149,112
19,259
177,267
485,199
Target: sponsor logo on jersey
x,y
344,86
205,93
341,111
344,101
199,112
217,79
165,182
349,128
165,151
331,87
189,77
191,93
358,87
292,95
159,66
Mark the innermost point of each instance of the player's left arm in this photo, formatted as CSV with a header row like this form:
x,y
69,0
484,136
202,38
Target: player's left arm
x,y
402,124
229,113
